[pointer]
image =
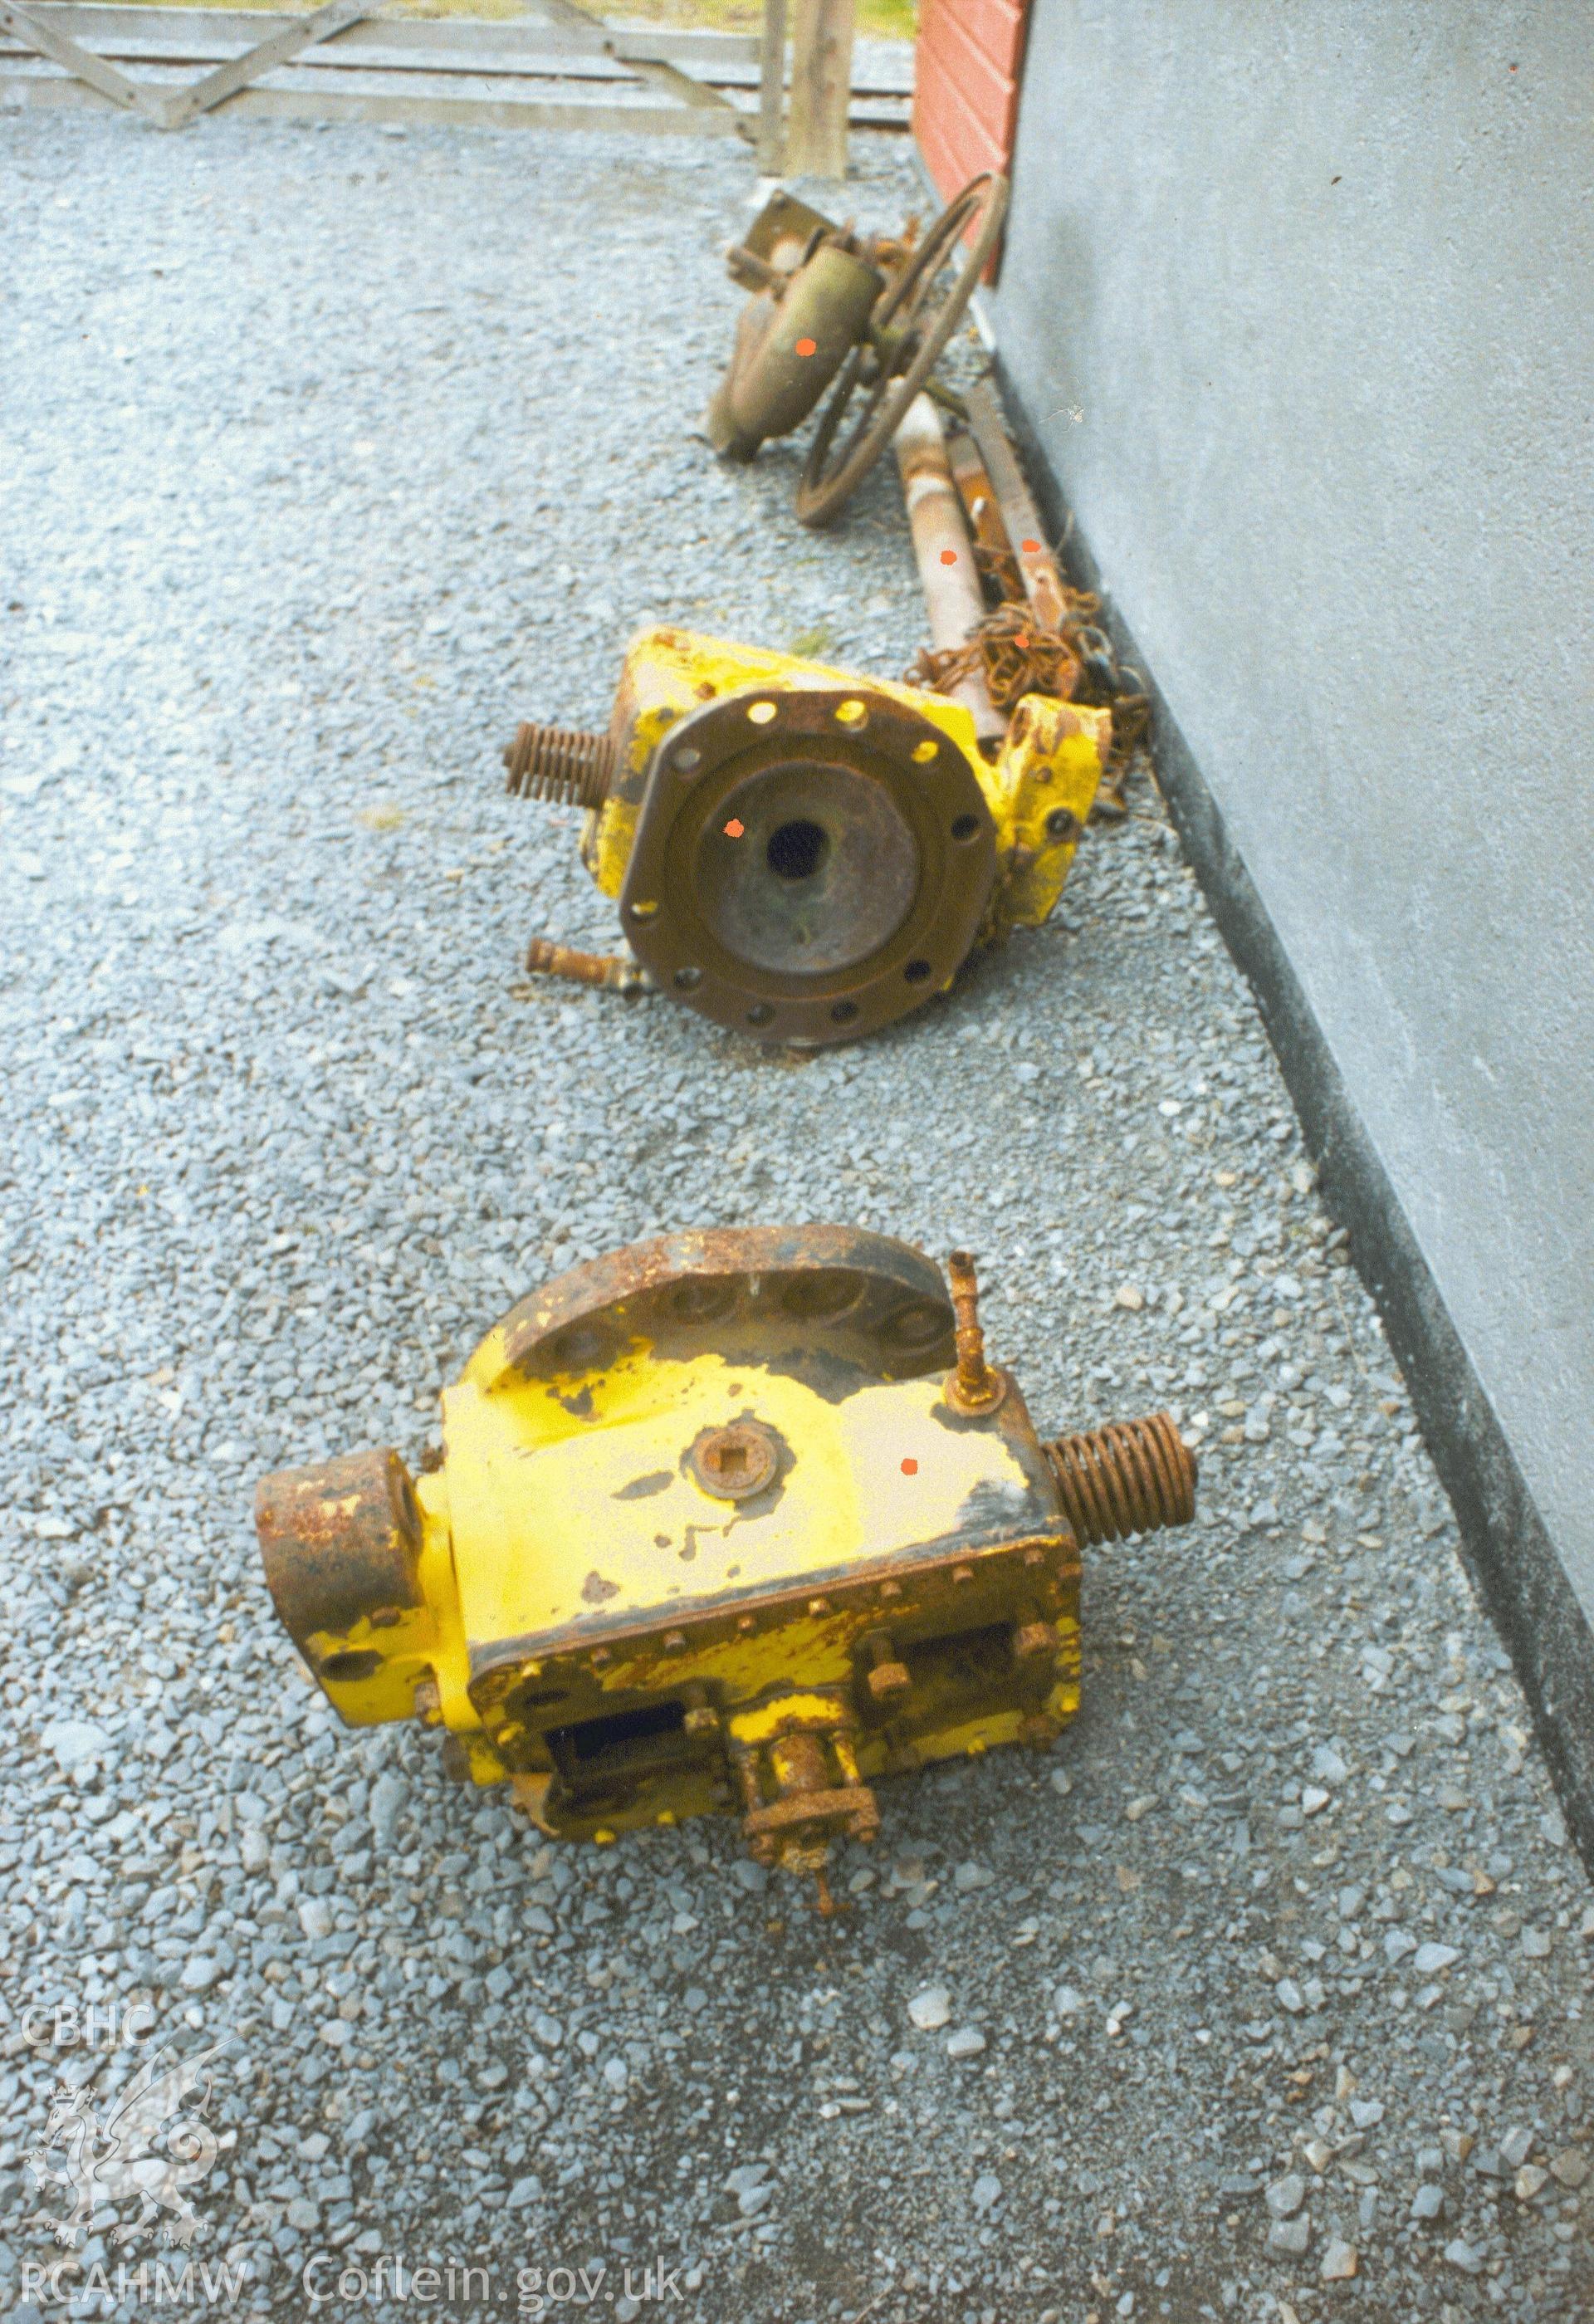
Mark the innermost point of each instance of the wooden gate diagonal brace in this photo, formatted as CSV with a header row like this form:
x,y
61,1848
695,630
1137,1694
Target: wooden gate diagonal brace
x,y
215,87
134,95
670,77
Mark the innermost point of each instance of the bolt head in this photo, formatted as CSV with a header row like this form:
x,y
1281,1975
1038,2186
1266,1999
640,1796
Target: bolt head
x,y
889,1680
736,1462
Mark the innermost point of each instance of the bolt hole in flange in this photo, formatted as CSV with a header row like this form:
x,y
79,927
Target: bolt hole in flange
x,y
760,1013
760,713
843,1012
916,971
965,828
686,980
797,849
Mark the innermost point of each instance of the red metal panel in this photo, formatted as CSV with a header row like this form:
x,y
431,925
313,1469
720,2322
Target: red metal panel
x,y
965,106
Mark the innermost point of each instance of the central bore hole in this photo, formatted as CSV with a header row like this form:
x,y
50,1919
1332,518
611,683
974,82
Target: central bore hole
x,y
730,1460
797,849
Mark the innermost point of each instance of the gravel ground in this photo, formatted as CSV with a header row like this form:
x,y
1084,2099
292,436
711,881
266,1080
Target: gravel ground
x,y
326,455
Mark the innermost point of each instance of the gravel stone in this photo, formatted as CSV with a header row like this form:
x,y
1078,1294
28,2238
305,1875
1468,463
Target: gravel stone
x,y
328,456
1286,2195
1290,2237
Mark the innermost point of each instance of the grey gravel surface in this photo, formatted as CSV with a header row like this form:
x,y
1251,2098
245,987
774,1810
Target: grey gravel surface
x,y
326,455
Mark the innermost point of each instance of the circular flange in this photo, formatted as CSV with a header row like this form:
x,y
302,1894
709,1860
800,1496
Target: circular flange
x,y
809,862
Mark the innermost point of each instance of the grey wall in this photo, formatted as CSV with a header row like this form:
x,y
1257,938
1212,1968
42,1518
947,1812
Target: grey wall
x,y
1296,300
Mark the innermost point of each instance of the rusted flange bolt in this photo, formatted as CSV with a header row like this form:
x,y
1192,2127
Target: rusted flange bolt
x,y
974,1386
702,1720
888,1676
1031,1640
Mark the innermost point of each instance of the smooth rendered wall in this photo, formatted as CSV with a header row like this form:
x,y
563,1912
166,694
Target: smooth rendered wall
x,y
1296,299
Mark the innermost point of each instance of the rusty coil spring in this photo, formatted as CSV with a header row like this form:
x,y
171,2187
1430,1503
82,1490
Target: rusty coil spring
x,y
560,763
1131,1476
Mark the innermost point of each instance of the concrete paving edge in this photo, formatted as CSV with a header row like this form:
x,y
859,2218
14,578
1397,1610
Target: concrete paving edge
x,y
1513,1562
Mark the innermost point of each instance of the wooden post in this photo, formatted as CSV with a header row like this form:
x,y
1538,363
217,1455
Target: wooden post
x,y
821,87
773,91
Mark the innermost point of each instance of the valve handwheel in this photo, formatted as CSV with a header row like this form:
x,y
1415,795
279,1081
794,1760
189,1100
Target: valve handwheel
x,y
909,330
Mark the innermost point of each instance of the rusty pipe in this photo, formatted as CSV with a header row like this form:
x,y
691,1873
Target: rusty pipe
x,y
973,1387
611,971
945,552
978,496
1043,583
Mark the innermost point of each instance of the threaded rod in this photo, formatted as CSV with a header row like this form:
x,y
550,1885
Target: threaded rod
x,y
1135,1476
611,970
973,1387
561,764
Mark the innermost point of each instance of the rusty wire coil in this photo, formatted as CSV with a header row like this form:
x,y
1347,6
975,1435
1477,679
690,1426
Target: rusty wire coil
x,y
562,764
1015,656
1134,1476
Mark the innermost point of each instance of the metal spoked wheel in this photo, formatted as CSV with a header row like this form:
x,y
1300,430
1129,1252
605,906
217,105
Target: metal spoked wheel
x,y
908,330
